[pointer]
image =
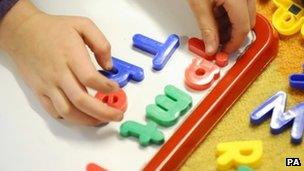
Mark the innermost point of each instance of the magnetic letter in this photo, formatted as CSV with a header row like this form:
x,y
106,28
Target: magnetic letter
x,y
123,72
94,167
161,51
296,81
274,107
234,154
197,46
117,100
147,134
201,74
169,107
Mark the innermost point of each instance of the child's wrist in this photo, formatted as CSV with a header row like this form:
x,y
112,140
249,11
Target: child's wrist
x,y
21,12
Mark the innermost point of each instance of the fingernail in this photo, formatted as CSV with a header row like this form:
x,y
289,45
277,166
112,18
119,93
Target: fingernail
x,y
102,124
113,86
210,43
209,49
119,117
109,65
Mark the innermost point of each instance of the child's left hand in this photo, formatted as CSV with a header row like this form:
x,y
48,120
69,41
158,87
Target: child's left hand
x,y
51,55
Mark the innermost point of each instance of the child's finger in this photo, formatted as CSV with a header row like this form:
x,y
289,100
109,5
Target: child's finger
x,y
203,11
97,42
252,12
224,24
240,23
86,103
48,106
69,112
86,73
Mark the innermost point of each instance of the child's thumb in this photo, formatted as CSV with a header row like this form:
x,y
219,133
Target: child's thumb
x,y
210,38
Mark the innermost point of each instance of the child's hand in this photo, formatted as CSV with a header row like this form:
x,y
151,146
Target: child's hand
x,y
218,19
51,55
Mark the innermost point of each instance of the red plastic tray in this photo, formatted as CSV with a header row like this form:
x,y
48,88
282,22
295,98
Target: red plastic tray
x,y
209,112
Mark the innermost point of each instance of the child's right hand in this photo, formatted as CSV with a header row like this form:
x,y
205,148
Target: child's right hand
x,y
224,21
50,53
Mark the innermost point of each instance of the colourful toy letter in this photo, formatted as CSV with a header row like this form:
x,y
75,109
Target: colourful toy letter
x,y
94,167
244,168
288,19
117,100
162,51
169,107
221,59
234,154
147,134
201,74
281,120
123,72
197,46
296,81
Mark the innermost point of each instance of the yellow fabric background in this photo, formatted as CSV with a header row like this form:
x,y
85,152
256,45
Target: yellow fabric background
x,y
235,125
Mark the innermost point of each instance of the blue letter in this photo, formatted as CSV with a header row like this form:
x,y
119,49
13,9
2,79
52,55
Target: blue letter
x,y
161,51
123,72
280,120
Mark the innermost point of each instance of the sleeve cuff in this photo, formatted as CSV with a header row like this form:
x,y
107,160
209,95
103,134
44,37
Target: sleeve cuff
x,y
5,6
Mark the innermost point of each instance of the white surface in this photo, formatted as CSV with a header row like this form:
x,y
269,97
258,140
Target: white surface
x,y
32,140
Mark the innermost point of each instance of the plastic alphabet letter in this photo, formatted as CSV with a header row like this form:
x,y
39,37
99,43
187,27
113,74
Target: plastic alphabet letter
x,y
244,168
274,107
123,72
94,167
147,134
296,81
201,74
234,154
162,52
288,19
197,46
169,107
221,59
116,99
